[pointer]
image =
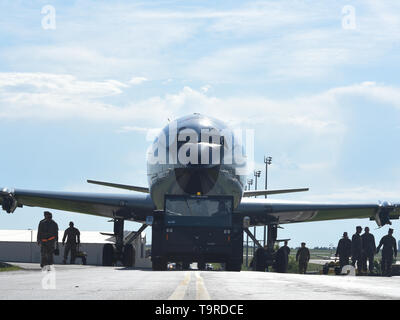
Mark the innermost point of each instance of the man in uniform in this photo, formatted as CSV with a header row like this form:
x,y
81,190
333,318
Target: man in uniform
x,y
303,256
72,235
368,251
356,249
343,250
47,238
389,248
260,263
282,258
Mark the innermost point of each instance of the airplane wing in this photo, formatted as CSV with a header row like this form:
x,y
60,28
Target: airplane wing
x,y
253,193
266,211
136,207
120,186
133,207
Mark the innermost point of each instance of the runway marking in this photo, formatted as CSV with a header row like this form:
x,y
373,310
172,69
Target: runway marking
x,y
180,291
201,290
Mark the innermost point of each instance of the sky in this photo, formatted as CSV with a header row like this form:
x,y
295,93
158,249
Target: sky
x,y
84,83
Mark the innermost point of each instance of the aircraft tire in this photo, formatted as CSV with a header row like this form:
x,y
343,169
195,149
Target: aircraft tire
x,y
129,256
201,265
233,265
159,264
185,266
108,255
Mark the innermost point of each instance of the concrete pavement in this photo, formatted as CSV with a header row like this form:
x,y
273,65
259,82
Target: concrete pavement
x,y
107,283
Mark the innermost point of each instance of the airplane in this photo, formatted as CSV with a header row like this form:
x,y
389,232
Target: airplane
x,y
195,203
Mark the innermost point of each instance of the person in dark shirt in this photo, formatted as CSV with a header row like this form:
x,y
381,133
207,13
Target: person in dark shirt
x,y
47,238
303,256
282,258
389,249
72,235
260,258
368,251
356,249
343,250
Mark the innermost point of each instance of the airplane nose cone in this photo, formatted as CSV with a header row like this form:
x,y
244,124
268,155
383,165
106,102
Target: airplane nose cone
x,y
197,178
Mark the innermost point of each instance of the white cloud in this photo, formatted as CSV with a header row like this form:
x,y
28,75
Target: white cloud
x,y
137,80
151,133
53,96
269,40
206,88
59,84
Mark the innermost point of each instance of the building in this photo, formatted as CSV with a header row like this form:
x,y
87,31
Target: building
x,y
21,246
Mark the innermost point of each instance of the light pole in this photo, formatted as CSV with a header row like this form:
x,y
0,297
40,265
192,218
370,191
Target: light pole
x,y
257,174
267,161
249,183
31,242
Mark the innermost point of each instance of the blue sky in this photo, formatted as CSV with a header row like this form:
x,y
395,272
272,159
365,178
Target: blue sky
x,y
77,101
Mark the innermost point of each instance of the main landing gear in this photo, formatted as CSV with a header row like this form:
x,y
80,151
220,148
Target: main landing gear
x,y
123,249
264,257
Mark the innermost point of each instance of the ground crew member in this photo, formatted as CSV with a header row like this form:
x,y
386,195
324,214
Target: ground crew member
x,y
260,263
47,238
282,258
72,235
368,250
343,250
270,255
356,249
389,248
303,256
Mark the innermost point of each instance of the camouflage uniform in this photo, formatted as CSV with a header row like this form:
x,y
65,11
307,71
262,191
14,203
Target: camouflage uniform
x,y
344,251
72,235
389,248
47,238
303,256
369,248
282,259
260,260
356,251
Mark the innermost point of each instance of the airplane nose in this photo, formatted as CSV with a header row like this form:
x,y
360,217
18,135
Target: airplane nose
x,y
196,179
206,154
202,175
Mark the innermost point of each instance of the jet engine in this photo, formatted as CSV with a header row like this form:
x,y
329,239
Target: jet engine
x,y
8,201
382,216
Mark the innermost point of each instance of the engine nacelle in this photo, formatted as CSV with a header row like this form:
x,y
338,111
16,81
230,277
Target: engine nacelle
x,y
382,216
9,203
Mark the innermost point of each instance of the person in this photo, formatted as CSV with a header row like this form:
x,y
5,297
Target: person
x,y
282,258
368,251
356,249
260,263
47,239
270,255
343,250
303,256
72,235
389,249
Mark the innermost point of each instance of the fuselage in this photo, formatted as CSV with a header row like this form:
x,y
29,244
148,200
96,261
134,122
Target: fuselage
x,y
196,155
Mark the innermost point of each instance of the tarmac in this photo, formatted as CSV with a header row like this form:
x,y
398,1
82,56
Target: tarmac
x,y
77,282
